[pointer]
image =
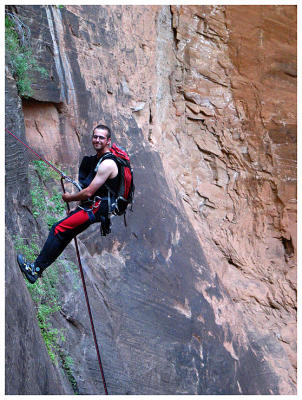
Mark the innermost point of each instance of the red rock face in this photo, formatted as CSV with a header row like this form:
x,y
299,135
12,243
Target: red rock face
x,y
213,89
231,147
48,136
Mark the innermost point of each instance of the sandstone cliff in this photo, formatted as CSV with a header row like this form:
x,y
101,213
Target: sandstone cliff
x,y
197,295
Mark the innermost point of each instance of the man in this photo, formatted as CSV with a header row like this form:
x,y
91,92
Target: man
x,y
92,208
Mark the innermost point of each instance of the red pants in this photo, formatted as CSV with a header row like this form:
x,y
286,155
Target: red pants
x,y
64,231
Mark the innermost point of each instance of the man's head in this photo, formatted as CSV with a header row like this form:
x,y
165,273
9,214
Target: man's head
x,y
104,128
101,139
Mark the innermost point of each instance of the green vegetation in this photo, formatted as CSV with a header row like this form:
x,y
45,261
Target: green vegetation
x,y
37,197
57,203
45,295
45,172
47,204
50,335
67,363
29,251
21,57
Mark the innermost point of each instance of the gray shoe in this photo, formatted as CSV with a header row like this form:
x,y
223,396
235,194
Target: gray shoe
x,y
31,272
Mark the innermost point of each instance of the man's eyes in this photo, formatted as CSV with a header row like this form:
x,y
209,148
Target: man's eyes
x,y
98,137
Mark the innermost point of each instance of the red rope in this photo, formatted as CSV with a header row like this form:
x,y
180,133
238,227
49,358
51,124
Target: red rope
x,y
38,155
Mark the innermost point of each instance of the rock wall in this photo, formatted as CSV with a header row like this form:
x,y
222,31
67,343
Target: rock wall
x,y
203,99
28,368
227,136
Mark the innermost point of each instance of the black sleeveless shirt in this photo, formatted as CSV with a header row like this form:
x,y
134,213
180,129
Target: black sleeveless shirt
x,y
87,173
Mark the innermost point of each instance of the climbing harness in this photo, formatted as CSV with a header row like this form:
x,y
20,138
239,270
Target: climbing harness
x,y
92,204
68,179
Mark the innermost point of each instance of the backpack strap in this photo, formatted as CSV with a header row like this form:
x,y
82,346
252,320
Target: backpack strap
x,y
109,156
104,157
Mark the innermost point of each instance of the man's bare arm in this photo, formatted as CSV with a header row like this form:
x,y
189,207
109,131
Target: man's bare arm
x,y
107,169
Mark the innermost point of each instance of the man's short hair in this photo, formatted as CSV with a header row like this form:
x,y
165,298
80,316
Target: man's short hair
x,y
103,127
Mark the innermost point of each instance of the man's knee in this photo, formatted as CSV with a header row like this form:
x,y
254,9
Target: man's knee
x,y
52,229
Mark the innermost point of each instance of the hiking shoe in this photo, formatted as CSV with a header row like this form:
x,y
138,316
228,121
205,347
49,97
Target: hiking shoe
x,y
31,272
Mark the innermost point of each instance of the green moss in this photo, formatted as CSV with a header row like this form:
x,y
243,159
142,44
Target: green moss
x,y
67,364
38,196
44,294
58,206
30,251
44,171
50,335
21,59
46,297
46,203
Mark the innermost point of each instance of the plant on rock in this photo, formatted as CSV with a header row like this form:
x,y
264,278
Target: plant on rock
x,y
20,54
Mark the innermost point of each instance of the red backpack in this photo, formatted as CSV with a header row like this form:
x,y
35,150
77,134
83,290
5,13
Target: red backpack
x,y
125,193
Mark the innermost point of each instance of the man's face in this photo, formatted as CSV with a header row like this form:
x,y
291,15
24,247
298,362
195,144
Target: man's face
x,y
99,139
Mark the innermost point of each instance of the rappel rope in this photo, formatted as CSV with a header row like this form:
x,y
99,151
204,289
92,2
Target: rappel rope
x,y
68,179
87,301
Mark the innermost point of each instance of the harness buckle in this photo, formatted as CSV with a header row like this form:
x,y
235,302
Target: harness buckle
x,y
92,204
